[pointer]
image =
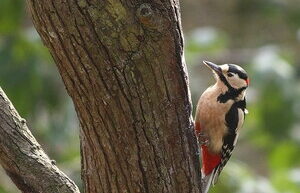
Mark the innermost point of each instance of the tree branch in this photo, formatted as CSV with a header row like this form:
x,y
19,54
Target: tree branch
x,y
23,158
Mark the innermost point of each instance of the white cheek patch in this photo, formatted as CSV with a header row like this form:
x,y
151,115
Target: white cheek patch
x,y
236,82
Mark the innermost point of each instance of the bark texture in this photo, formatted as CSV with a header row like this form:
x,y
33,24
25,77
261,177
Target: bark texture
x,y
122,64
23,159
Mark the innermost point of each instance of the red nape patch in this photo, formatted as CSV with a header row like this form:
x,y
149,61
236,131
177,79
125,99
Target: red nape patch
x,y
248,81
209,160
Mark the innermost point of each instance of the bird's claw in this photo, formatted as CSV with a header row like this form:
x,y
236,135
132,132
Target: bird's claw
x,y
206,142
203,139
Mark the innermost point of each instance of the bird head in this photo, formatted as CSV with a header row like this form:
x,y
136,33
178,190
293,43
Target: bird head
x,y
231,75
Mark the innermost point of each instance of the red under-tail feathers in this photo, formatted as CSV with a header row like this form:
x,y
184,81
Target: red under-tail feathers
x,y
209,160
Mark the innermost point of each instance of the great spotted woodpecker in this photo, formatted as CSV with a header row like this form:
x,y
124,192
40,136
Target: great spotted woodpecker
x,y
219,116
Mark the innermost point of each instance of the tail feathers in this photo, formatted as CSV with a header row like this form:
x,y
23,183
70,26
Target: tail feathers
x,y
208,180
216,174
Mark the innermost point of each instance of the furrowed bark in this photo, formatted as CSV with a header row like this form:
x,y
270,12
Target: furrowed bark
x,y
23,158
122,64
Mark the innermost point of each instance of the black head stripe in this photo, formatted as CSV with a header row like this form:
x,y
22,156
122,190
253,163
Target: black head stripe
x,y
223,79
240,72
232,93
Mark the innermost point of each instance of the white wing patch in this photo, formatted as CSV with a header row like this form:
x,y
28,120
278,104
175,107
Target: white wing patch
x,y
241,119
236,138
240,123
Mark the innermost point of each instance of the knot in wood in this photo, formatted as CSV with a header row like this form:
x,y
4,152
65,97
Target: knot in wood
x,y
23,121
53,162
144,10
149,16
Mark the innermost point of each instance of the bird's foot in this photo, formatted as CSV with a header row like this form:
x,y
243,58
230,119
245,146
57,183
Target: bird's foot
x,y
203,139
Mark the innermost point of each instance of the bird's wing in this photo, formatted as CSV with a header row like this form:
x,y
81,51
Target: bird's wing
x,y
234,120
227,148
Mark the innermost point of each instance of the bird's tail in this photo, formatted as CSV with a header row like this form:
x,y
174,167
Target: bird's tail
x,y
208,180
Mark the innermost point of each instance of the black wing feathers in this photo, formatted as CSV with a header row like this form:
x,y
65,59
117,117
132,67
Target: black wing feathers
x,y
242,105
232,121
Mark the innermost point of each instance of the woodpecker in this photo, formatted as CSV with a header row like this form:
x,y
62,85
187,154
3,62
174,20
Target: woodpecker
x,y
220,114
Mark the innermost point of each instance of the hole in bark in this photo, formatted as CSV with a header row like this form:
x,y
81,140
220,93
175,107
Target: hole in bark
x,y
144,10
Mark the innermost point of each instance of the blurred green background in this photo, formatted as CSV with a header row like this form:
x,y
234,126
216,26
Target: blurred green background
x,y
261,36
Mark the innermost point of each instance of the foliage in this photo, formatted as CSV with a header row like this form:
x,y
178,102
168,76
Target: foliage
x,y
266,159
30,79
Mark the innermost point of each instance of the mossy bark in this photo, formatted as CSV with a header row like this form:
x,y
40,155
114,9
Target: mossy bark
x,y
122,64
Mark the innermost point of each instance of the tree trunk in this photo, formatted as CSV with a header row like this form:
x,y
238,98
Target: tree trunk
x,y
122,64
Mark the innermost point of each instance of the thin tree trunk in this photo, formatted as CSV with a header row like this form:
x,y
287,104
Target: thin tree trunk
x,y
23,158
122,64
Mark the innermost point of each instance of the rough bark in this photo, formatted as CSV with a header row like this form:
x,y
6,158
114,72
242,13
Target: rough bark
x,y
122,64
23,158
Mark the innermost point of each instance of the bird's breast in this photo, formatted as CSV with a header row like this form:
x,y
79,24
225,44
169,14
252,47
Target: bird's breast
x,y
211,116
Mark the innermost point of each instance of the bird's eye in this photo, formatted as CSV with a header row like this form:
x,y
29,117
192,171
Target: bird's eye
x,y
229,74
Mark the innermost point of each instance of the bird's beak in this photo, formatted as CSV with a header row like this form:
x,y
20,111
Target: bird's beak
x,y
214,67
